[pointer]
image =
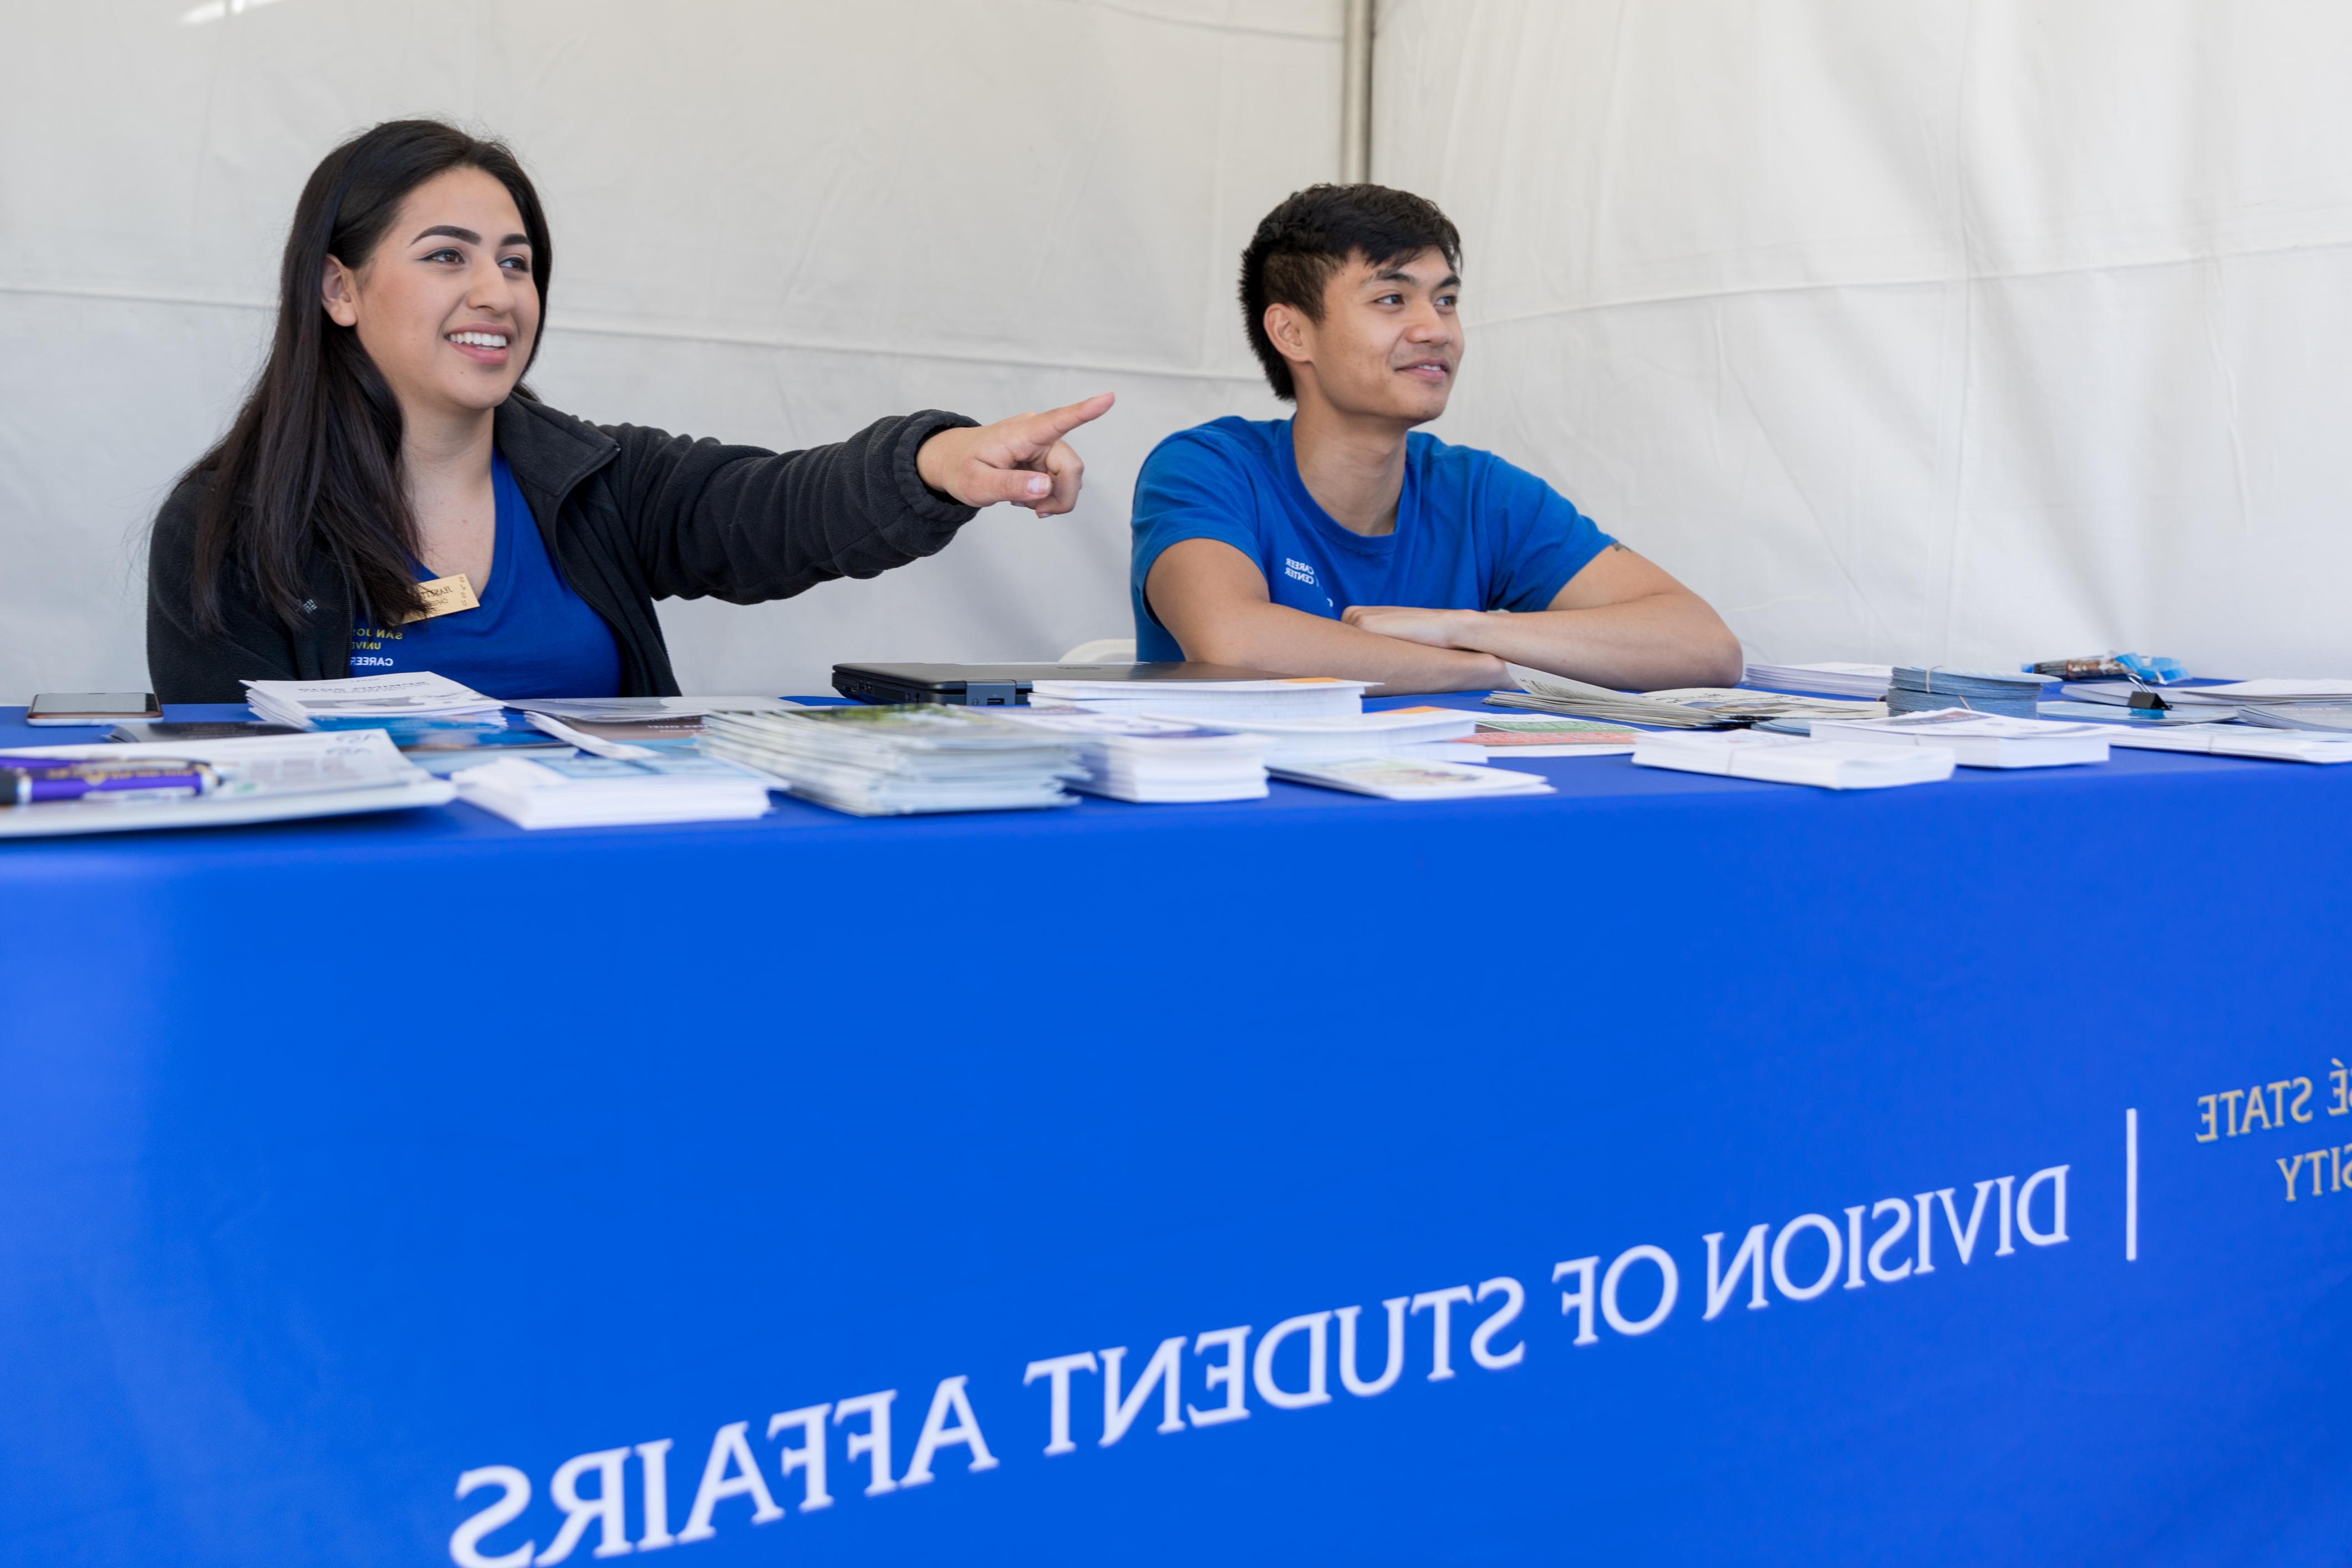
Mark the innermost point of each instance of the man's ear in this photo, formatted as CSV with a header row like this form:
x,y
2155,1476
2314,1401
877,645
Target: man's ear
x,y
339,292
1291,333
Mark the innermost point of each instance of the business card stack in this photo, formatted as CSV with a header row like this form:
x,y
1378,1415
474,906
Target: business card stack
x,y
1153,761
364,701
1925,688
604,791
895,760
1206,702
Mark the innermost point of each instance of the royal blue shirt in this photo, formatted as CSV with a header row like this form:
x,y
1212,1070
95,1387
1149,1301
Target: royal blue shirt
x,y
1471,531
530,636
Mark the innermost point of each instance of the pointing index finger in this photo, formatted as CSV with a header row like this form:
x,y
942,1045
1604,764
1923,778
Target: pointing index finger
x,y
1056,423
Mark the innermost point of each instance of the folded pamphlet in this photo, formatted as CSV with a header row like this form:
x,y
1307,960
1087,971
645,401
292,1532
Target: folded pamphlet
x,y
266,778
1154,761
1788,759
1206,702
682,711
2264,691
362,701
604,791
897,759
2104,712
1401,778
1977,739
2239,740
1678,707
1399,732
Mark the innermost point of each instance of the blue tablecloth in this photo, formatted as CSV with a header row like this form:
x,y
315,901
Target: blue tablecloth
x,y
348,1167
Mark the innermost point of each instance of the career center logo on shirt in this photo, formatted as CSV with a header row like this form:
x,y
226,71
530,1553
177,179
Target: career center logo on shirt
x,y
1298,570
367,646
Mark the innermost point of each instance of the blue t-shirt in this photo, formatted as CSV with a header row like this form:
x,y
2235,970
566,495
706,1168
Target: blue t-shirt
x,y
1471,531
530,636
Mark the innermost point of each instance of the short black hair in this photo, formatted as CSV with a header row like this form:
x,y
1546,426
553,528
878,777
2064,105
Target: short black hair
x,y
1302,243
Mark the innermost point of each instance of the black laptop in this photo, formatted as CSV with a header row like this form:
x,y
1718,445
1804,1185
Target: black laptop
x,y
1005,685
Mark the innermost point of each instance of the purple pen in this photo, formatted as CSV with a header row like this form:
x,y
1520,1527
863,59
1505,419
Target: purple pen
x,y
32,781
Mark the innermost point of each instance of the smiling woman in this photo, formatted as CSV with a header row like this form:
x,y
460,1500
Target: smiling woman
x,y
391,496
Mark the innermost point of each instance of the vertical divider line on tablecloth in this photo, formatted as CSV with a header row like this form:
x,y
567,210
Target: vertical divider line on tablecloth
x,y
2131,1185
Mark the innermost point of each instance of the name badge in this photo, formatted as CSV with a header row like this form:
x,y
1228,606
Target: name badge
x,y
444,596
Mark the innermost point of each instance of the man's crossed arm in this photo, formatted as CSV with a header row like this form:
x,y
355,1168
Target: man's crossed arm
x,y
1621,621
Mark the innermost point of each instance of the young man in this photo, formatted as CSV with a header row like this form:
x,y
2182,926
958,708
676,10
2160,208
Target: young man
x,y
1339,542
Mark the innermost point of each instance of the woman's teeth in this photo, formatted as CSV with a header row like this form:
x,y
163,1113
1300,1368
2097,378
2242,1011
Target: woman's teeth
x,y
478,340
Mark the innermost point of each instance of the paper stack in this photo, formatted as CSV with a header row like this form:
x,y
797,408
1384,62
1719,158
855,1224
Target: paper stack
x,y
2313,705
1403,778
1923,689
1785,759
1413,732
1867,681
635,727
1977,739
1681,708
1542,735
2238,740
269,778
604,791
1155,760
892,759
1207,701
363,700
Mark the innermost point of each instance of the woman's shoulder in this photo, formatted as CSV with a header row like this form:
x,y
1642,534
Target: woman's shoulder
x,y
176,522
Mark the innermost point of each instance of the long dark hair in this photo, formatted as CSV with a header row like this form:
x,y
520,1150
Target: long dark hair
x,y
312,463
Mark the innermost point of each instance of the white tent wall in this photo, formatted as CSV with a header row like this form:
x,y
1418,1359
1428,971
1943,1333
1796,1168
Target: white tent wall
x,y
774,221
1966,332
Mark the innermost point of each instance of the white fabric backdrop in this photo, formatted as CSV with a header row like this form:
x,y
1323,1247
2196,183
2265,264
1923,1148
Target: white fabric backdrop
x,y
1960,330
773,221
1941,329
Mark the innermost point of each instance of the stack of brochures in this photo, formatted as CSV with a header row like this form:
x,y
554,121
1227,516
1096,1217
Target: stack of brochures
x,y
1208,701
1786,759
2237,741
1153,761
893,759
2114,715
1543,735
1867,681
268,778
1403,778
1682,708
635,727
605,792
1417,733
1977,739
1925,688
364,701
2324,706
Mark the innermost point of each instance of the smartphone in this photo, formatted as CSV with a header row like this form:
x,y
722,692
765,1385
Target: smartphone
x,y
91,707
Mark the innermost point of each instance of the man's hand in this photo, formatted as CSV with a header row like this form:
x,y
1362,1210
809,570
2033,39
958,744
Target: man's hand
x,y
1021,459
1436,629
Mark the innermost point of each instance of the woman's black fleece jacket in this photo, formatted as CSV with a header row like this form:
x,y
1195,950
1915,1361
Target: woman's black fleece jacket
x,y
629,516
